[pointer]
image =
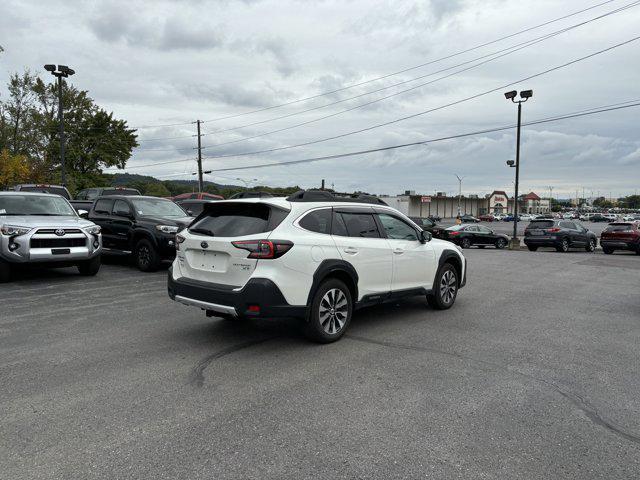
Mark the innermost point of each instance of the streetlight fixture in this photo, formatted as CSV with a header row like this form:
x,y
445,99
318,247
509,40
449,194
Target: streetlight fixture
x,y
524,96
62,72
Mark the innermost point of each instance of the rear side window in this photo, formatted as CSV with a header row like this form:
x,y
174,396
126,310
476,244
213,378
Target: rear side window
x,y
317,221
103,206
361,225
540,224
569,225
239,219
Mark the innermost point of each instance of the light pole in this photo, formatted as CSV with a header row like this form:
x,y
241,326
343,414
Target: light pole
x,y
62,72
459,192
550,197
524,96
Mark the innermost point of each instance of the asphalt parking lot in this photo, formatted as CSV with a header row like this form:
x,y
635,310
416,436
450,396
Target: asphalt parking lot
x,y
532,374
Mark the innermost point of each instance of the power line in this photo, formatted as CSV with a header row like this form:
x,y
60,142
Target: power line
x,y
424,142
496,55
397,120
410,68
579,113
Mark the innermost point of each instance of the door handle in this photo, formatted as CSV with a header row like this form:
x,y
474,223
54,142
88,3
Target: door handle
x,y
398,251
350,250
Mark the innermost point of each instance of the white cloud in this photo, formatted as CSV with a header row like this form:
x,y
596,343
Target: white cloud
x,y
155,62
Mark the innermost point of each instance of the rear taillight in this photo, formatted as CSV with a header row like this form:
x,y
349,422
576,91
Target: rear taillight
x,y
553,230
453,234
264,249
179,240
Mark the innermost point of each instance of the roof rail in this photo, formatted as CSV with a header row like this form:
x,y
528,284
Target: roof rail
x,y
324,196
250,195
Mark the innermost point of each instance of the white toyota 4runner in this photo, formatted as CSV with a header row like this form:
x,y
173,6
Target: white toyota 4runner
x,y
313,256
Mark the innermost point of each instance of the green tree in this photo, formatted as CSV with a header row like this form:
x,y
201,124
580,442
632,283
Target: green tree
x,y
13,169
156,190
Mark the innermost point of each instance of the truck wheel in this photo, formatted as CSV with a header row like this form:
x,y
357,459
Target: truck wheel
x,y
89,268
532,248
446,288
608,251
5,271
146,256
330,313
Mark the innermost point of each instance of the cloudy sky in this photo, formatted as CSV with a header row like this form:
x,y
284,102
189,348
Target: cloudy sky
x,y
158,64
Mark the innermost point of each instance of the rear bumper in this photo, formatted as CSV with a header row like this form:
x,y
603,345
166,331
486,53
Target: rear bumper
x,y
542,242
226,300
619,245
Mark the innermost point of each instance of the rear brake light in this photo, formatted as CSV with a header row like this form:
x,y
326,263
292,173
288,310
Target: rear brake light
x,y
553,230
453,234
264,249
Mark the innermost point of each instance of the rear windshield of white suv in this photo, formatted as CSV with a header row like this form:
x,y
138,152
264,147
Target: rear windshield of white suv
x,y
238,219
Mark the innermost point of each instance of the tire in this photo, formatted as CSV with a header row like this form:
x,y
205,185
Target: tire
x,y
331,311
501,243
564,246
90,268
591,246
446,288
608,251
5,271
146,256
465,243
532,248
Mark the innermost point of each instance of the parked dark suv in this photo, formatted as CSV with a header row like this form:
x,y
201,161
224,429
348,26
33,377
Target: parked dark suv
x,y
621,236
144,227
560,234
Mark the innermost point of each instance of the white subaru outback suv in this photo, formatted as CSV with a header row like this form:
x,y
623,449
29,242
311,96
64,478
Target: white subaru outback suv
x,y
313,256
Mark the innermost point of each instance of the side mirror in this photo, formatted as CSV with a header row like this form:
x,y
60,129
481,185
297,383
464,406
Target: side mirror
x,y
425,236
83,213
190,213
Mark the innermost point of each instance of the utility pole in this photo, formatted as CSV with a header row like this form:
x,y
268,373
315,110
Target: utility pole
x,y
459,192
200,186
550,197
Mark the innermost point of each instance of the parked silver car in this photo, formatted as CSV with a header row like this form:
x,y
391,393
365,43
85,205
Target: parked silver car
x,y
44,229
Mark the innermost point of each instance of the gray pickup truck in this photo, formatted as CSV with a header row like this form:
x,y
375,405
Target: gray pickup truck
x,y
43,229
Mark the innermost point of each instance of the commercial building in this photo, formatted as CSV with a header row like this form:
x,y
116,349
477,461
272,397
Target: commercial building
x,y
441,205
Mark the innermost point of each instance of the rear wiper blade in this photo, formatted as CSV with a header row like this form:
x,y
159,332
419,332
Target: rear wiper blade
x,y
203,231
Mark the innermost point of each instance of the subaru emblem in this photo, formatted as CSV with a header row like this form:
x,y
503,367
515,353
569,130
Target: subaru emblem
x,y
59,232
204,244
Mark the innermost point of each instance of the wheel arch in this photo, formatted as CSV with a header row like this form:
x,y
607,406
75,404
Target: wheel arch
x,y
140,234
339,269
451,257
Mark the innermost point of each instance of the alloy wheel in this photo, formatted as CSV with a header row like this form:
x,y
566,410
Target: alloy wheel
x,y
448,286
334,309
144,255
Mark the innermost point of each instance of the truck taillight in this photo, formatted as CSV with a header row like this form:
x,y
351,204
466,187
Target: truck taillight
x,y
264,249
